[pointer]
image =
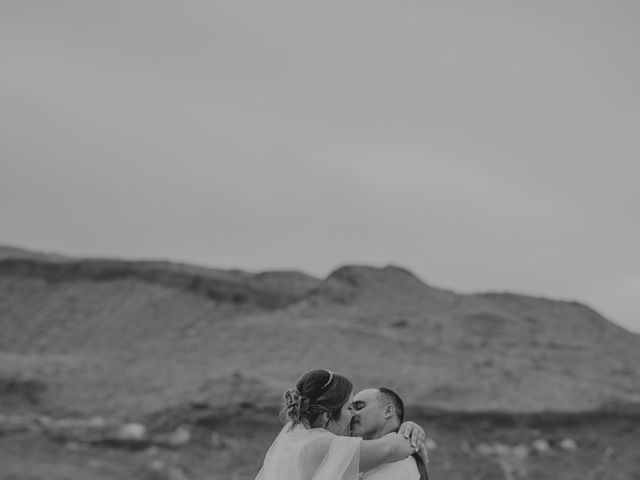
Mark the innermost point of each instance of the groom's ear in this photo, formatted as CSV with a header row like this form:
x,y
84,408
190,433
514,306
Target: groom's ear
x,y
389,411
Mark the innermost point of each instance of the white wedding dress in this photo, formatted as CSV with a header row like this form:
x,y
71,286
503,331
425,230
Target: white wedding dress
x,y
311,454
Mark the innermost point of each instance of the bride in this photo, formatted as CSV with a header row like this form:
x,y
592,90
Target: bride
x,y
314,444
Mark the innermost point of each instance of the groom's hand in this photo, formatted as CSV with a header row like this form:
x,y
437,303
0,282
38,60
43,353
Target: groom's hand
x,y
412,431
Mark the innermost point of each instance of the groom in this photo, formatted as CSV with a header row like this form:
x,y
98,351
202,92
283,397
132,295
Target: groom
x,y
377,412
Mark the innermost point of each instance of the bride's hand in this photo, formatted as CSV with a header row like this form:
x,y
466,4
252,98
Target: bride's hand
x,y
413,431
400,445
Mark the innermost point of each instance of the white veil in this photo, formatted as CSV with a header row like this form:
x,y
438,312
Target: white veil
x,y
301,453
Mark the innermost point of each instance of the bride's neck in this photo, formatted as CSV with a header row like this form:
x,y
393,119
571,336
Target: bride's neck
x,y
319,423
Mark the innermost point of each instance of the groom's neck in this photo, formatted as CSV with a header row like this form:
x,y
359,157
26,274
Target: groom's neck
x,y
386,429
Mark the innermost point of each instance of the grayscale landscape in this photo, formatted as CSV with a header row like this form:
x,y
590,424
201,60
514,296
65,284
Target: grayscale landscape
x,y
200,201
155,370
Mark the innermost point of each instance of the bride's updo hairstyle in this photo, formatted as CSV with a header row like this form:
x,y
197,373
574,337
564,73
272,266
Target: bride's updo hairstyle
x,y
316,392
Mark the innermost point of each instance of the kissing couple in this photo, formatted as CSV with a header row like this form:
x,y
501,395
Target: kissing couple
x,y
332,434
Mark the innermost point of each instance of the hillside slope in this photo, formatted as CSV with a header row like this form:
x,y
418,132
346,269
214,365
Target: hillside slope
x,y
131,338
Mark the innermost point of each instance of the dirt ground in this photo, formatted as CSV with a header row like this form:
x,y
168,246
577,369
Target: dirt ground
x,y
482,447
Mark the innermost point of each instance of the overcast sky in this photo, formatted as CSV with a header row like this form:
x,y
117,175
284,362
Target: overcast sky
x,y
483,145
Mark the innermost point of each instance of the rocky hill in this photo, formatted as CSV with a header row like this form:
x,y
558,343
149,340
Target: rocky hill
x,y
124,339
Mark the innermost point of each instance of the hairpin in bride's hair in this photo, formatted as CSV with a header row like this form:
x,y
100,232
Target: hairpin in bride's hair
x,y
328,381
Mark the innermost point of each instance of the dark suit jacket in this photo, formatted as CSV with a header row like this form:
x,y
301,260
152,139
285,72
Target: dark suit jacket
x,y
422,468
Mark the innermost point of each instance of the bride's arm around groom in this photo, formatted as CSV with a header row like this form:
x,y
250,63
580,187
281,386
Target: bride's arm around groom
x,y
314,443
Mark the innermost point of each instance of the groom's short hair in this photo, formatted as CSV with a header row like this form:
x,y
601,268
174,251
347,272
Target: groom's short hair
x,y
389,396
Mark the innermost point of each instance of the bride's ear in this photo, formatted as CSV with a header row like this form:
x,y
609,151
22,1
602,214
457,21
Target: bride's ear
x,y
325,419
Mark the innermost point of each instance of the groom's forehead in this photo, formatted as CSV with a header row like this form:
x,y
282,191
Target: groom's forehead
x,y
366,396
